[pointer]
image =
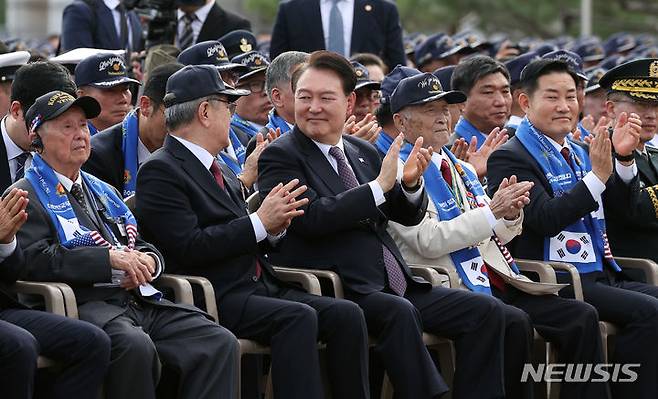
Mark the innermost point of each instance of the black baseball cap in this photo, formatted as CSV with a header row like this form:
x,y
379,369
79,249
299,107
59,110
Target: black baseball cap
x,y
391,81
363,77
53,104
210,52
421,89
536,67
102,71
196,81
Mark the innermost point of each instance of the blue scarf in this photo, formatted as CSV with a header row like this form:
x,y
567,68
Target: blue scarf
x,y
466,130
130,137
275,121
384,142
52,196
240,153
584,131
244,125
92,128
583,243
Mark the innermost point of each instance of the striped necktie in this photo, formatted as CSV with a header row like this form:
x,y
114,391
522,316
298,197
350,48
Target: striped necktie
x,y
187,38
20,165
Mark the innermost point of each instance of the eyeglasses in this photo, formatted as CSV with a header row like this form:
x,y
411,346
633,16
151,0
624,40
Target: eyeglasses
x,y
229,104
254,87
372,95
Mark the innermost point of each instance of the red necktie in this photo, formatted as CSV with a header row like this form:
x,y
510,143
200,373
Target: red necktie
x,y
566,155
445,171
217,173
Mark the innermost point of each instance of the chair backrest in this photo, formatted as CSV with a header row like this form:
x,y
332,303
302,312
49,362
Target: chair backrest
x,y
253,202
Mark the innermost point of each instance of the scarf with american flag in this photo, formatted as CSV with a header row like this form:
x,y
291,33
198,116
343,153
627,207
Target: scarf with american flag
x,y
71,233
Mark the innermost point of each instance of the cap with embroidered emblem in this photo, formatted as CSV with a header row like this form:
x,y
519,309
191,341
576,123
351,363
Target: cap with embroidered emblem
x,y
254,61
210,52
637,79
421,89
197,81
102,71
53,104
238,42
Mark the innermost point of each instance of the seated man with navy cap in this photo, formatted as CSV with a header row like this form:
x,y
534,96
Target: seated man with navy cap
x,y
202,227
117,152
80,232
367,93
9,64
239,42
212,52
105,78
470,236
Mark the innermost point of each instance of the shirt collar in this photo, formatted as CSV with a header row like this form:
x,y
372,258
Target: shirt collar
x,y
326,147
12,149
199,152
142,152
201,13
66,182
111,4
557,145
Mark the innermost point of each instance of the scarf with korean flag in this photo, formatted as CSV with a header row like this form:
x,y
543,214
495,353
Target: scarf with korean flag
x,y
584,243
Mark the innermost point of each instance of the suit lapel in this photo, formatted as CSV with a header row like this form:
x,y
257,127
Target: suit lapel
x,y
359,24
357,162
5,175
316,34
214,19
195,169
319,163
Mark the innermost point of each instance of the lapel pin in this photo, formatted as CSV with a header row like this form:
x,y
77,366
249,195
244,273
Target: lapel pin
x,y
361,160
368,7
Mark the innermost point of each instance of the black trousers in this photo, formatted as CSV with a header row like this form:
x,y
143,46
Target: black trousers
x,y
475,323
203,354
80,347
633,307
291,322
569,324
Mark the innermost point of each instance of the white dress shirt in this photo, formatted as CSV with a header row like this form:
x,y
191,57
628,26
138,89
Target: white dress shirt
x,y
201,15
346,8
13,151
112,5
377,192
143,153
206,160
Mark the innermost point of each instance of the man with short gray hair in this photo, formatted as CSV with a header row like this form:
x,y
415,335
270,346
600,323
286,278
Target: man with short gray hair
x,y
277,86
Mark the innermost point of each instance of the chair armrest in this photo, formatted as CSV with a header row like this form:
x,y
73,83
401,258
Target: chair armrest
x,y
575,277
308,280
327,275
69,299
649,267
181,287
206,288
544,271
453,276
50,292
428,273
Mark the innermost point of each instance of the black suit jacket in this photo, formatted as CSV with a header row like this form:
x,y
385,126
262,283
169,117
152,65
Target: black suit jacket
x,y
340,230
546,215
220,22
201,229
5,174
635,233
81,267
376,29
106,159
85,26
11,269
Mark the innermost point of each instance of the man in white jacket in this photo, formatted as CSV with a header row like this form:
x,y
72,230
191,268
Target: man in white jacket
x,y
465,229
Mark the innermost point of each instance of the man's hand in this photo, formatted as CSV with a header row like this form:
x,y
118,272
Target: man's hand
x,y
12,214
389,170
588,123
416,164
478,158
460,149
510,198
137,266
250,170
273,134
601,127
280,206
367,128
600,153
626,134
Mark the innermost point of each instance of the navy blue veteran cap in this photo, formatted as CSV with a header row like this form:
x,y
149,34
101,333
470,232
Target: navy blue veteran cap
x,y
534,68
421,89
590,50
210,52
637,78
254,61
53,104
435,47
102,71
238,42
572,59
445,74
363,77
516,65
619,43
594,75
391,81
197,81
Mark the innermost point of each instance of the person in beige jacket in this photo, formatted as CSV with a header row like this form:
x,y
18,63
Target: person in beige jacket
x,y
477,232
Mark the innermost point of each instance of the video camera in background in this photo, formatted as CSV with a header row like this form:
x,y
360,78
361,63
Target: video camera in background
x,y
158,19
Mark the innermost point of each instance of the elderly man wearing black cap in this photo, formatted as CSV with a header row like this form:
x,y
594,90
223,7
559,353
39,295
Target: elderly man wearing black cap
x,y
81,233
565,220
628,88
470,236
105,78
202,227
117,152
351,195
